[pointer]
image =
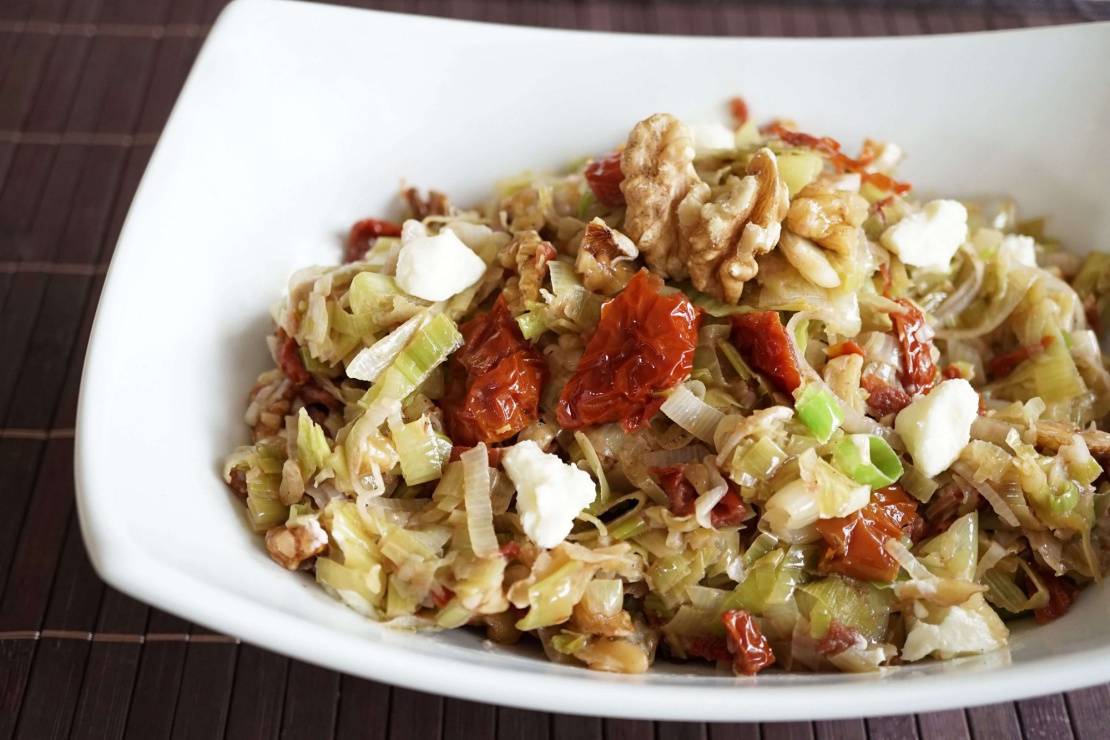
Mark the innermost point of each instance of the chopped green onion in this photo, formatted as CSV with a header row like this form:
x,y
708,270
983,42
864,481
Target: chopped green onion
x,y
868,459
819,410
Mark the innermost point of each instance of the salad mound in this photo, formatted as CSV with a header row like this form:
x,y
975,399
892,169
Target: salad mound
x,y
722,394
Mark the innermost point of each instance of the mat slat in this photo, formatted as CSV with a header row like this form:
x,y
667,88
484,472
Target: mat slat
x,y
311,701
364,710
943,726
258,694
414,715
205,693
842,729
158,681
515,723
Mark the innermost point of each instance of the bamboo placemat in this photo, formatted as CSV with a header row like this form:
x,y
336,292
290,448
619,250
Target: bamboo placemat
x,y
85,89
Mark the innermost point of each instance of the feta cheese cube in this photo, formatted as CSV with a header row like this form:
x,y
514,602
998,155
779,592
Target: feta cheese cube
x,y
929,237
549,492
937,427
437,267
1022,249
713,136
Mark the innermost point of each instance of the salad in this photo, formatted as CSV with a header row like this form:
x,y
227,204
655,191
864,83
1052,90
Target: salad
x,y
723,394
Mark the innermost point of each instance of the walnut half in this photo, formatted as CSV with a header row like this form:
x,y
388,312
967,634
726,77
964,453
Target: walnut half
x,y
658,167
605,259
527,255
724,234
291,546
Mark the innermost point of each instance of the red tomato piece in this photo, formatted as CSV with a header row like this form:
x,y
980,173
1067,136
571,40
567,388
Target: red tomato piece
x,y
751,651
605,177
845,348
838,639
854,543
1003,365
1061,593
510,550
761,339
883,398
442,597
644,344
919,372
363,235
495,381
290,361
711,648
681,493
739,108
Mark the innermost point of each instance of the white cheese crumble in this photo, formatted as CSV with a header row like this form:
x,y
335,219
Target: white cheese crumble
x,y
713,136
929,237
549,492
937,427
437,267
963,631
1022,249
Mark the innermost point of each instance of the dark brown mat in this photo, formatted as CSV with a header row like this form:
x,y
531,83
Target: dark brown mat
x,y
85,88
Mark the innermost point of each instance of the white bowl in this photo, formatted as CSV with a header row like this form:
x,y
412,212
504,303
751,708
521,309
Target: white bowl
x,y
299,119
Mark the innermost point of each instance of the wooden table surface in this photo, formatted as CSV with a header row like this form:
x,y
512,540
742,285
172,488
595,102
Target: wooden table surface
x,y
85,88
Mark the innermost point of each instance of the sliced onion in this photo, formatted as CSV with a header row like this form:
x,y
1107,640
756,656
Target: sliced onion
x,y
479,507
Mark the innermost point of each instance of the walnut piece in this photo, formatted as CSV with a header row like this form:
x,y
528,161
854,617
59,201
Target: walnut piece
x,y
658,167
291,546
527,255
435,204
828,216
724,234
605,258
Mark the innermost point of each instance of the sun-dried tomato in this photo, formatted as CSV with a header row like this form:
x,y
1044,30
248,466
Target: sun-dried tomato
x,y
1062,592
510,550
761,339
363,235
951,373
495,380
919,372
845,348
854,543
1003,365
681,495
837,639
843,163
289,359
739,108
729,511
751,652
883,398
711,648
644,344
604,176
493,454
442,597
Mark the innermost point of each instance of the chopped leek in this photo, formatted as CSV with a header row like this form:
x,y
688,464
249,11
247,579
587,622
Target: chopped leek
x,y
567,643
628,528
552,598
819,410
757,462
533,321
313,450
692,414
851,602
430,346
868,459
767,584
479,506
367,290
422,450
799,168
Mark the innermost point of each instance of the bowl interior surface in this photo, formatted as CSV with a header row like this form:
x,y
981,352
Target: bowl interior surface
x,y
299,119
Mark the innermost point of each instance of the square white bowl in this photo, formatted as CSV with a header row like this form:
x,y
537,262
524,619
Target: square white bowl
x,y
299,119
